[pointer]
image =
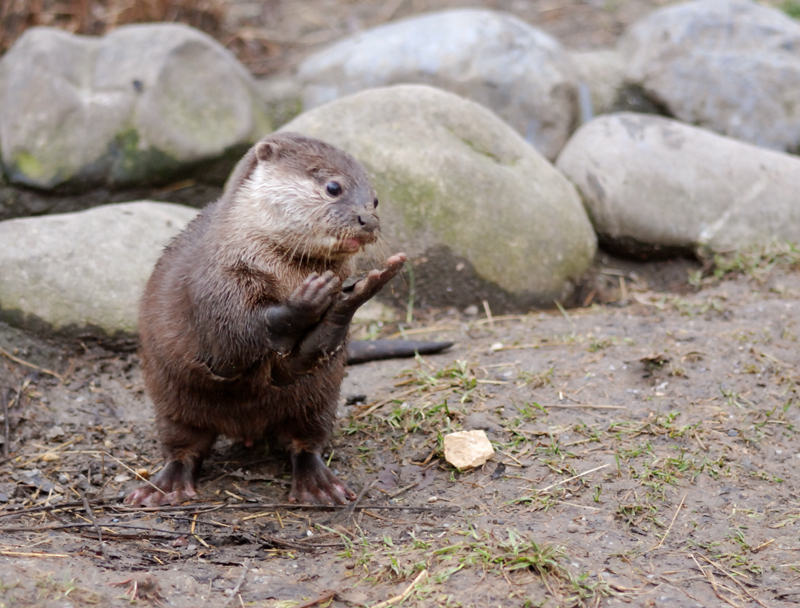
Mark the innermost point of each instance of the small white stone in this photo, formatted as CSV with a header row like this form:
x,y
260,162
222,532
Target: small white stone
x,y
467,449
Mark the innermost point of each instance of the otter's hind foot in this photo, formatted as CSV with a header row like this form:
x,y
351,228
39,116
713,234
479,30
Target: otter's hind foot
x,y
174,484
314,483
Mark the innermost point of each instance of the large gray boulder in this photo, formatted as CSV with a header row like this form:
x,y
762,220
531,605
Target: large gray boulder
x,y
141,105
657,186
481,214
83,272
283,97
601,72
517,71
728,65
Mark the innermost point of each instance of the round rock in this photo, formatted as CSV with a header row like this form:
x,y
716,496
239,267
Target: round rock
x,y
601,73
518,71
84,272
731,66
141,105
482,215
655,186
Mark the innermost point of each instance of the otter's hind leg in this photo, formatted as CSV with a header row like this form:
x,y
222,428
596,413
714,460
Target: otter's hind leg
x,y
185,449
304,438
315,483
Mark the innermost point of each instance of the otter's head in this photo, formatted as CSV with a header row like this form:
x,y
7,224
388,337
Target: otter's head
x,y
305,198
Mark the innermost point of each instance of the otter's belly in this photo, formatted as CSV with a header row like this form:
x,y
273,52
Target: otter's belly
x,y
252,406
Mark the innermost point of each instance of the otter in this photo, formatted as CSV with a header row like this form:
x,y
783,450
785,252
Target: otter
x,y
244,320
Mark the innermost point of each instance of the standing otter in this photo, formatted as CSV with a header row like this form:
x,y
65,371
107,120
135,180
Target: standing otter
x,y
244,320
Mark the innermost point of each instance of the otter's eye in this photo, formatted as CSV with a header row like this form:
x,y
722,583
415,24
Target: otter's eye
x,y
333,188
375,203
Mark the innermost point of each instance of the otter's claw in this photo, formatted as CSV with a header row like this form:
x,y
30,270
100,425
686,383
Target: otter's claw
x,y
314,483
367,287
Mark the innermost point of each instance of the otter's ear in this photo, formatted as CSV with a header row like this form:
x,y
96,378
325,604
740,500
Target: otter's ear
x,y
243,169
267,151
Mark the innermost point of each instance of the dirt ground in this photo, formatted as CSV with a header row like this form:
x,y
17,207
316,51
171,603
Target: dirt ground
x,y
646,453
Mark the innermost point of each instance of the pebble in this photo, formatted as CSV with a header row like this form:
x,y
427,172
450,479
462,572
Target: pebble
x,y
572,527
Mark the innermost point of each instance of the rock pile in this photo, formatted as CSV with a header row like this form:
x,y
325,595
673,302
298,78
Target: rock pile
x,y
458,148
515,70
484,216
144,105
731,66
83,272
654,186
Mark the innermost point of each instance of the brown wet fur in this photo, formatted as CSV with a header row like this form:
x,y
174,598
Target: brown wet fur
x,y
217,356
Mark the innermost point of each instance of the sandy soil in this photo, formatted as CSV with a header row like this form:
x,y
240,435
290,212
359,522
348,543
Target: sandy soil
x,y
645,453
645,444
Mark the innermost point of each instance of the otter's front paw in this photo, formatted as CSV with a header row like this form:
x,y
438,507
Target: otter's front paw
x,y
315,295
367,287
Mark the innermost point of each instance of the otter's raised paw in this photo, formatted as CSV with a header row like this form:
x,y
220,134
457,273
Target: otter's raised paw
x,y
316,293
367,287
314,483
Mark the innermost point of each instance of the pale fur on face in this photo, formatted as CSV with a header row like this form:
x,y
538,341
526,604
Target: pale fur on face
x,y
279,215
274,201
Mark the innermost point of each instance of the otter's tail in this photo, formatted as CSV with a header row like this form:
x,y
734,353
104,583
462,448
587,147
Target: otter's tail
x,y
361,351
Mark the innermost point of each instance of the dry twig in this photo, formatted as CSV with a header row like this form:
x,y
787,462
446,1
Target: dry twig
x,y
735,580
374,406
399,598
318,600
678,510
587,406
558,483
90,515
6,428
239,583
31,365
29,554
352,506
714,585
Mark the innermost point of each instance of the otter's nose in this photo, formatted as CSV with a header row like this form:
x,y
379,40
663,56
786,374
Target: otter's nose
x,y
367,221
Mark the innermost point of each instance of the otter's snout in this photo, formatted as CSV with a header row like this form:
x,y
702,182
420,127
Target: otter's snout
x,y
368,221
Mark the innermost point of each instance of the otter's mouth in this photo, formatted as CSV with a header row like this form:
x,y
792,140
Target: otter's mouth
x,y
353,244
350,245
347,245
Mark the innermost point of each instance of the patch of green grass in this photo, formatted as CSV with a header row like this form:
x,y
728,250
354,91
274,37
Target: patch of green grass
x,y
536,380
758,261
596,344
49,589
531,410
769,477
734,398
791,8
424,417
